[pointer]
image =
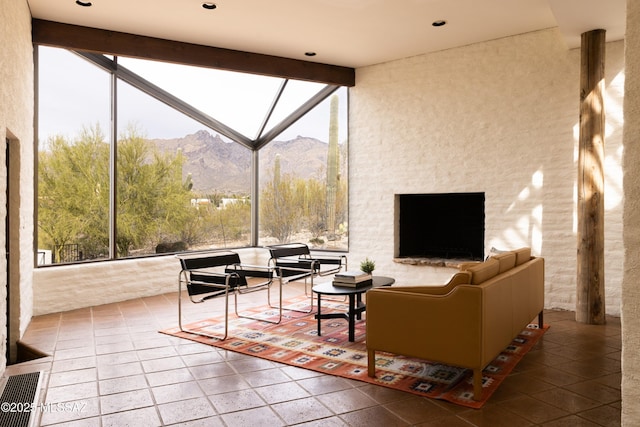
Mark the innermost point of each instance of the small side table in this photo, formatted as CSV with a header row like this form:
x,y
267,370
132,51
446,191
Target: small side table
x,y
356,305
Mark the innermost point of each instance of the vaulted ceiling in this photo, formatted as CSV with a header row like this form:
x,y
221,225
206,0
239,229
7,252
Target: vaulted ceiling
x,y
349,33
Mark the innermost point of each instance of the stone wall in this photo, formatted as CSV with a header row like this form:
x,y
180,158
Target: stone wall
x,y
630,289
68,287
16,126
499,117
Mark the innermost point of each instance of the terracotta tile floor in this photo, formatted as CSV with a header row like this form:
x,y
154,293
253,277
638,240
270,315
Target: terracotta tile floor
x,y
113,368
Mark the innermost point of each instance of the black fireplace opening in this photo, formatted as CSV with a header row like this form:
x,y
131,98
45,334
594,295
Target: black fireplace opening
x,y
443,225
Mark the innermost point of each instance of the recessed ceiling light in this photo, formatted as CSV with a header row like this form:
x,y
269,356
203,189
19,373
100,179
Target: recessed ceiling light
x,y
209,6
439,23
84,3
310,54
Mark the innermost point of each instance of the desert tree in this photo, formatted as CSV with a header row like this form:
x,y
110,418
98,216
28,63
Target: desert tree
x,y
279,213
74,191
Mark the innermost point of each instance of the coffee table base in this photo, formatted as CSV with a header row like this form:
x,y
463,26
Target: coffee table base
x,y
356,305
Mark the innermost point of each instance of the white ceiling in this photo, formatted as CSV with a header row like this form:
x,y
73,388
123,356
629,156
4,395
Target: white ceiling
x,y
352,33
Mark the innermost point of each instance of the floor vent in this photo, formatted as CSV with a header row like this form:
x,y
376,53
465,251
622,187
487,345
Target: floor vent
x,y
18,401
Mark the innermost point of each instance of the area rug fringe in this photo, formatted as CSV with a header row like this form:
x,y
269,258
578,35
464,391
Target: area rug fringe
x,y
295,342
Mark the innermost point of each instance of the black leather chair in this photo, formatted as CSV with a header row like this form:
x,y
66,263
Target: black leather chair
x,y
209,275
294,261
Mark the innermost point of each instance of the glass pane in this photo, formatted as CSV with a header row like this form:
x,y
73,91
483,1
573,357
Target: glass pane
x,y
240,101
295,94
176,193
73,158
303,180
181,186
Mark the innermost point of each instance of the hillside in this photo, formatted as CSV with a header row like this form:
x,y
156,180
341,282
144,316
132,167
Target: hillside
x,y
218,166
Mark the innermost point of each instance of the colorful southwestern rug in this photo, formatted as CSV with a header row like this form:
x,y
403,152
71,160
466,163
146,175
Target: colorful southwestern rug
x,y
295,342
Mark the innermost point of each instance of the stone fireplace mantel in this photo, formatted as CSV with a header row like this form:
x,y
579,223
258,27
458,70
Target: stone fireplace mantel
x,y
433,262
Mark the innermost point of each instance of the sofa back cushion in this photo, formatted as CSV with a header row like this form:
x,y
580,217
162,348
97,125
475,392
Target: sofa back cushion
x,y
484,271
506,261
522,255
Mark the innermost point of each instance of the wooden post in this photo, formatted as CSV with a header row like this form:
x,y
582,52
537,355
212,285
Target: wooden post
x,y
590,307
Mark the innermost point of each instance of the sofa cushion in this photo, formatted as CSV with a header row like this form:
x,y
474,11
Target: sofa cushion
x,y
506,260
495,251
484,271
522,255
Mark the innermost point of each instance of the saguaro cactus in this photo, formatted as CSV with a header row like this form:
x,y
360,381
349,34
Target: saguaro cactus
x,y
278,191
333,168
276,172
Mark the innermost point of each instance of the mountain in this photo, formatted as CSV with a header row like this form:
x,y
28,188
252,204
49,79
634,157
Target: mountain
x,y
223,167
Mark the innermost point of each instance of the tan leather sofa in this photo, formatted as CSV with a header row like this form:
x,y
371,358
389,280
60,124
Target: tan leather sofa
x,y
466,322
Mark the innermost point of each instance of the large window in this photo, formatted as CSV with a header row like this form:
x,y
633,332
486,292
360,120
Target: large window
x,y
303,180
141,157
73,159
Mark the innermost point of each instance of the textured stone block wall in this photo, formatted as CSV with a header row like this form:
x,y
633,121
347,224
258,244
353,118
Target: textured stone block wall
x,y
16,124
631,290
68,287
498,117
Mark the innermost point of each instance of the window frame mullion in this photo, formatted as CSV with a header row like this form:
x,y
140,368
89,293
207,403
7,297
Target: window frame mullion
x,y
113,169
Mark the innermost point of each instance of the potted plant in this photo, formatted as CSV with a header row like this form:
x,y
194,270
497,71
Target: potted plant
x,y
368,265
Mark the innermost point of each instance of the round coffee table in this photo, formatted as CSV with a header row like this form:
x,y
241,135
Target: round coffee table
x,y
356,305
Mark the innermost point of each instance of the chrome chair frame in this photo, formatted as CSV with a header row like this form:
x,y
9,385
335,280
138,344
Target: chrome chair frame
x,y
220,273
244,273
203,282
294,261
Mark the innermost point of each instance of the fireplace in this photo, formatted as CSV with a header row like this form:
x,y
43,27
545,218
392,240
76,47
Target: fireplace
x,y
443,225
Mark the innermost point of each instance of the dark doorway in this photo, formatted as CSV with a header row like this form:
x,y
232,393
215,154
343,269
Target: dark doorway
x,y
7,244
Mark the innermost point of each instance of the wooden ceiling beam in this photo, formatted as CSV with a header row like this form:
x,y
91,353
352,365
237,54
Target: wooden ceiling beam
x,y
95,40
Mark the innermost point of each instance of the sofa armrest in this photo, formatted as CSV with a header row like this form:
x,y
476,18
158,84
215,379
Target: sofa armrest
x,y
459,278
443,328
